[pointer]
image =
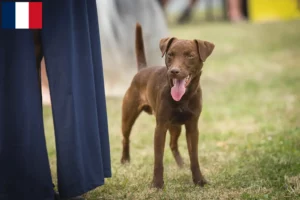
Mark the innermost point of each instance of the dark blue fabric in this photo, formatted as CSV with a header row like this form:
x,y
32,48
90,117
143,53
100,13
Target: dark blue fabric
x,y
73,58
99,85
71,45
24,166
8,15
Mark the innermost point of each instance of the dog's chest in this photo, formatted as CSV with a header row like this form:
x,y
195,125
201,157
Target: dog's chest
x,y
180,114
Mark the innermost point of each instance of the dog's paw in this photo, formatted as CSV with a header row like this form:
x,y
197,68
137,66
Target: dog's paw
x,y
157,184
181,165
201,182
125,160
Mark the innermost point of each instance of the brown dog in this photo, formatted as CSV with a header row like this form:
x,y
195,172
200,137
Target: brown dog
x,y
173,95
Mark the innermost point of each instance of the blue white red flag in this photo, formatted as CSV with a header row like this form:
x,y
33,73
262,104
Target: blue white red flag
x,y
21,15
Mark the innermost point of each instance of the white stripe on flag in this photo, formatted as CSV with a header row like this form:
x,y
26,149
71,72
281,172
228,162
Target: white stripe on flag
x,y
22,15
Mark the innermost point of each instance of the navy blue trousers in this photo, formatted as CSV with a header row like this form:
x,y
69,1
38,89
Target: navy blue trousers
x,y
71,46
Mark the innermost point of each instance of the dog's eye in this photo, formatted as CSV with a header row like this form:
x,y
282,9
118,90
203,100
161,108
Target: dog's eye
x,y
190,56
170,55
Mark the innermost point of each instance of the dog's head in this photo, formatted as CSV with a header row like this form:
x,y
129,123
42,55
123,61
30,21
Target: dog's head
x,y
184,60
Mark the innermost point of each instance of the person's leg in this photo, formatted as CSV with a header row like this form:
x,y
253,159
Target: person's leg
x,y
24,168
235,10
45,85
164,3
192,3
187,12
245,12
73,63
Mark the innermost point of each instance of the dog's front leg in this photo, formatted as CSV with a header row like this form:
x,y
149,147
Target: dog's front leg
x,y
192,136
159,146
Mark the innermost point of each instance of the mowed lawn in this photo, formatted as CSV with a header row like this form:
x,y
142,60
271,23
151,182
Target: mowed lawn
x,y
249,146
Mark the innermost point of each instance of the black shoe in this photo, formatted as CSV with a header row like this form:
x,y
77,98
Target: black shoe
x,y
56,196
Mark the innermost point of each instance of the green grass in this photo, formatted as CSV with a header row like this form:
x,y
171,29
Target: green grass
x,y
249,146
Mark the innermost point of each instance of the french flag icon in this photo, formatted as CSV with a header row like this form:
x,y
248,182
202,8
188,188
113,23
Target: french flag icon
x,y
21,15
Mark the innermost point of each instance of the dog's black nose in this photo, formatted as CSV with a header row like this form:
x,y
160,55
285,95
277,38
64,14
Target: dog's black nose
x,y
174,71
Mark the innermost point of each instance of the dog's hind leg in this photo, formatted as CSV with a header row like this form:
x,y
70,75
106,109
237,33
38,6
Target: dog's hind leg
x,y
175,131
130,111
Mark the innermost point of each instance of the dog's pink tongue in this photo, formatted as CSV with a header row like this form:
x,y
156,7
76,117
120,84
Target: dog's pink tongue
x,y
178,90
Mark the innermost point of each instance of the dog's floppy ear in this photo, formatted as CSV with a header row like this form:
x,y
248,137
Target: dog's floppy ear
x,y
204,49
164,44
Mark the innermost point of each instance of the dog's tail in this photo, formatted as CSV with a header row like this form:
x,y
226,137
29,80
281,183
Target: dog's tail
x,y
139,47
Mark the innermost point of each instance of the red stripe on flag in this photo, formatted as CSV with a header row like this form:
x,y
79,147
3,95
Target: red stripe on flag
x,y
35,15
